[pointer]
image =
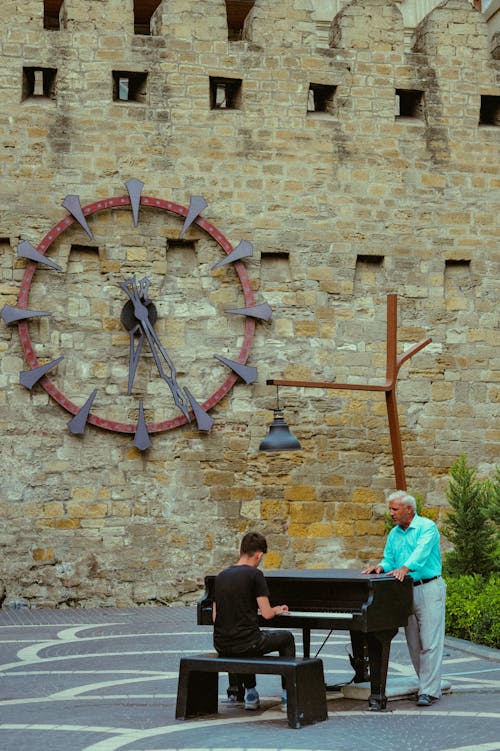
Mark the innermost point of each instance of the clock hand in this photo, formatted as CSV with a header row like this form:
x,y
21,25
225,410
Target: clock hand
x,y
137,296
171,380
135,352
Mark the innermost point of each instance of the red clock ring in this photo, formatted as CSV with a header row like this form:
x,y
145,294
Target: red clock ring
x,y
105,205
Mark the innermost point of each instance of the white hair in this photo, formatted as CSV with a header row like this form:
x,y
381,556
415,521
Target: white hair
x,y
405,498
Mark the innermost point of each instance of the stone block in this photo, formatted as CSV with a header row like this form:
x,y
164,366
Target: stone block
x,y
43,555
300,492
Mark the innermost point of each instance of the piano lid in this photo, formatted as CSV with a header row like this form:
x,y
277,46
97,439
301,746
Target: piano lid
x,y
322,574
328,574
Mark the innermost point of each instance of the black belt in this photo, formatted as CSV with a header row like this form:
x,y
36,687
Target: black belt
x,y
424,581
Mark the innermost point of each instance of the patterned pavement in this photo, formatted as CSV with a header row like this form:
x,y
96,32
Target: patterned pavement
x,y
106,680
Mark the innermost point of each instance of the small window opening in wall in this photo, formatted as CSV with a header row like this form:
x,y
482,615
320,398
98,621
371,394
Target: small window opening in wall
x,y
51,11
457,276
83,258
320,98
225,93
143,10
178,249
410,103
182,264
370,261
129,87
275,267
490,110
368,273
237,11
39,83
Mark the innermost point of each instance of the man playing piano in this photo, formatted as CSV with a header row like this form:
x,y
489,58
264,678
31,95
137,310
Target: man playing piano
x,y
240,594
413,549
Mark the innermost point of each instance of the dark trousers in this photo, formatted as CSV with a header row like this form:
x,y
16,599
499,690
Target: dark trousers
x,y
282,642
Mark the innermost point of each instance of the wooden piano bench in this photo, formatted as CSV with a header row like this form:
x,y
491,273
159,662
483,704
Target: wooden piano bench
x,y
198,686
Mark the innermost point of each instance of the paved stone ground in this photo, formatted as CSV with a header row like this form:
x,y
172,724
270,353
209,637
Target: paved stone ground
x,y
106,680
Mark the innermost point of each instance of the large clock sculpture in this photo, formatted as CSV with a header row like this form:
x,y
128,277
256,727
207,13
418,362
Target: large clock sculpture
x,y
138,301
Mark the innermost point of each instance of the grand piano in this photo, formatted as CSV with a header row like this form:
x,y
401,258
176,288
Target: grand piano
x,y
371,607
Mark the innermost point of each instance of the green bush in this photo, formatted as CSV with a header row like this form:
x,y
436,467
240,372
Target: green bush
x,y
469,526
473,609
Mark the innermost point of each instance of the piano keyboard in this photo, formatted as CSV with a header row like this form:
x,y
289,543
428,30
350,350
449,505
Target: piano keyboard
x,y
320,614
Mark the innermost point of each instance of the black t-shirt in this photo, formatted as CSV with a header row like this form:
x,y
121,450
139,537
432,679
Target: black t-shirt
x,y
236,628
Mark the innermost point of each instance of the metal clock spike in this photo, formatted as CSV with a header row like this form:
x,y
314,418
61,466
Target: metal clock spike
x,y
73,205
10,314
244,249
134,187
203,419
26,250
78,423
142,441
263,311
246,372
196,206
28,378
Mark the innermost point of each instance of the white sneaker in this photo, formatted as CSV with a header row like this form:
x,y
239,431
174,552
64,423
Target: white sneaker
x,y
252,700
233,701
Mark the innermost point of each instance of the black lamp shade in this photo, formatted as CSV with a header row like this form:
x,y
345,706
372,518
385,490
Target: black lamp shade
x,y
279,437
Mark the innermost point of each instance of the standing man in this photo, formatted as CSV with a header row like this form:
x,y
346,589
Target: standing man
x,y
240,594
413,548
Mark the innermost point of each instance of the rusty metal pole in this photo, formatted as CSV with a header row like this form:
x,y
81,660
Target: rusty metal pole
x,y
390,394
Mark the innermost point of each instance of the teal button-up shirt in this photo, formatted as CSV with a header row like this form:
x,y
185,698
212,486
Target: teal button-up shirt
x,y
416,547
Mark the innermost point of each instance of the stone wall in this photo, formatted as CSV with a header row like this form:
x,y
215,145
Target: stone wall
x,y
356,171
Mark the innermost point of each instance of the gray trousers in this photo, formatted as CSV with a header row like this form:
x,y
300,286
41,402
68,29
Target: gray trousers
x,y
425,635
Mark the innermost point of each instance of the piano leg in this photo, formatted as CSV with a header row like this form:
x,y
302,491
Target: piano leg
x,y
379,647
359,660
